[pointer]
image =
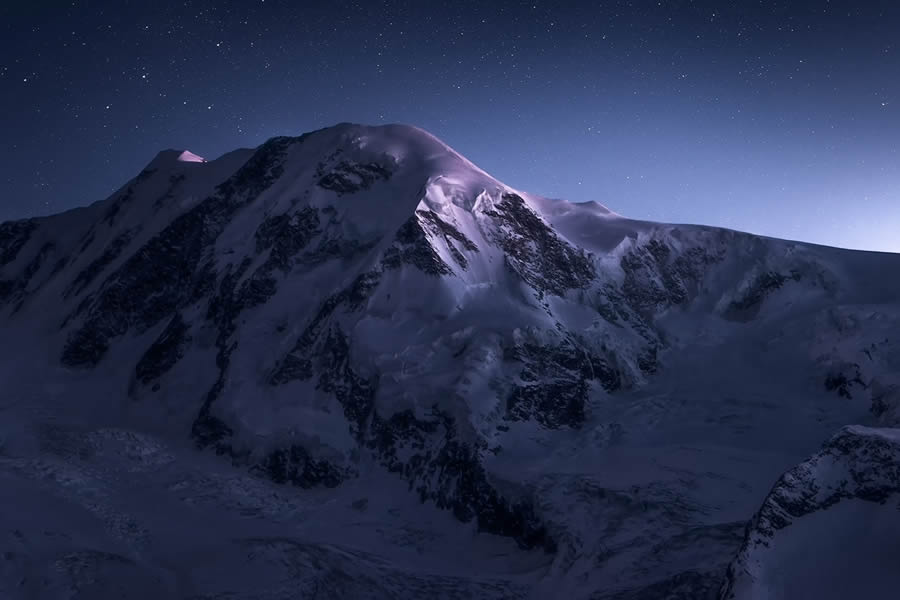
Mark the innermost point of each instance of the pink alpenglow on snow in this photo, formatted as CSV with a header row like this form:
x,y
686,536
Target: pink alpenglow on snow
x,y
188,156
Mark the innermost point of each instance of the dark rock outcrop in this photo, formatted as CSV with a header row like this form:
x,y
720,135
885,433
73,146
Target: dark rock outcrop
x,y
16,289
886,402
858,463
284,236
842,378
450,234
554,382
444,469
165,352
13,237
535,252
348,177
298,363
295,466
748,304
412,247
90,272
657,277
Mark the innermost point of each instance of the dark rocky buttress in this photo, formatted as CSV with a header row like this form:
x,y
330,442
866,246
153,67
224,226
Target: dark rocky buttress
x,y
13,237
348,177
412,247
657,277
748,304
443,468
96,267
535,252
857,463
452,237
554,382
165,352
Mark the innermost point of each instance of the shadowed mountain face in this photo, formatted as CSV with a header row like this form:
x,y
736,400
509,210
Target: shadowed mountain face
x,y
352,364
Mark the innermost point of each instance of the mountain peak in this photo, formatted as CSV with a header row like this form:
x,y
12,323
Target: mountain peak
x,y
188,156
172,156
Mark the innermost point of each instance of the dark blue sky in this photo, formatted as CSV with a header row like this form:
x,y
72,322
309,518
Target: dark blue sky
x,y
781,118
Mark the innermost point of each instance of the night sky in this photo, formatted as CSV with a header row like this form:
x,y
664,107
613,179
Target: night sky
x,y
780,118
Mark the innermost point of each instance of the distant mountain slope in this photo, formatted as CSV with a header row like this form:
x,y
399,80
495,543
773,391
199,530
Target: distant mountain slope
x,y
364,305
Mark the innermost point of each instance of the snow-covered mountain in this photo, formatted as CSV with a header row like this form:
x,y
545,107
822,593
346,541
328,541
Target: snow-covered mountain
x,y
352,364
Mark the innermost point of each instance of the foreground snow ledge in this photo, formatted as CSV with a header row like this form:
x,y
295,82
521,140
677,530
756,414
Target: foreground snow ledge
x,y
830,527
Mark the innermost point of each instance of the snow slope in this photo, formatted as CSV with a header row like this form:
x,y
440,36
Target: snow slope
x,y
830,527
355,364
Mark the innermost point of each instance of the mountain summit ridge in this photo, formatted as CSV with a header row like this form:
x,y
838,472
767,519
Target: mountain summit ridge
x,y
604,400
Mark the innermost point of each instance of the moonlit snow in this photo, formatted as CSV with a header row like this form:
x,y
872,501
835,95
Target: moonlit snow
x,y
188,156
351,364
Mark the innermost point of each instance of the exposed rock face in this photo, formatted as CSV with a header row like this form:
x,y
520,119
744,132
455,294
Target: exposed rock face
x,y
355,393
452,236
294,465
841,380
536,252
90,272
657,277
747,305
555,381
859,468
412,247
348,177
442,468
167,350
284,236
223,309
298,363
13,237
886,402
17,289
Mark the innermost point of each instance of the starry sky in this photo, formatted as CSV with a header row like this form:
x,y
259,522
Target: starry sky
x,y
779,118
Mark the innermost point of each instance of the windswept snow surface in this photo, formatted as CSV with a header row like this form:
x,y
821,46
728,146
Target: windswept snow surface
x,y
351,364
